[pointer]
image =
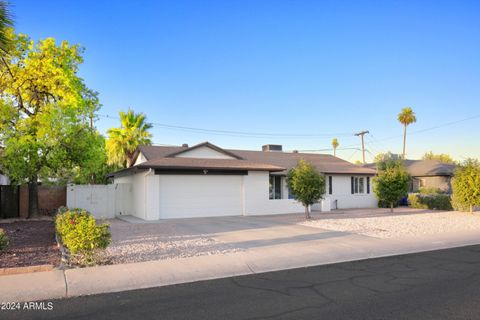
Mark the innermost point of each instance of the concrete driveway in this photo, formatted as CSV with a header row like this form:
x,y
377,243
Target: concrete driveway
x,y
135,240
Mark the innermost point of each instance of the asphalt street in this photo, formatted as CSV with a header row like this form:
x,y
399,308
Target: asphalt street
x,y
436,285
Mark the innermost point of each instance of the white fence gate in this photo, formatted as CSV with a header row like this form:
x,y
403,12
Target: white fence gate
x,y
103,201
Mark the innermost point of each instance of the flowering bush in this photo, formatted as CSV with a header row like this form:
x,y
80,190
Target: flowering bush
x,y
81,235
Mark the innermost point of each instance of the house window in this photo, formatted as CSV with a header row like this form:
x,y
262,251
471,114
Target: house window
x,y
358,185
275,187
423,183
330,187
290,194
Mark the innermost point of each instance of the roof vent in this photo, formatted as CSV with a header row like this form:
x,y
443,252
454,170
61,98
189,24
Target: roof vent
x,y
295,151
185,145
272,147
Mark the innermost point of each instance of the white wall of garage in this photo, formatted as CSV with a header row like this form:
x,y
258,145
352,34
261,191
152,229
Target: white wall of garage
x,y
200,195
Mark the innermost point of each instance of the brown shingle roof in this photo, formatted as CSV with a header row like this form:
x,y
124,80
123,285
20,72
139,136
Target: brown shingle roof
x,y
425,168
323,162
202,163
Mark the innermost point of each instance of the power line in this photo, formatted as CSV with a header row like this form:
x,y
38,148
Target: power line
x,y
238,133
432,128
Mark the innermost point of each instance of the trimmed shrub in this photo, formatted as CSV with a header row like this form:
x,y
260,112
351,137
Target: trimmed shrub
x,y
391,183
430,190
80,234
430,201
4,240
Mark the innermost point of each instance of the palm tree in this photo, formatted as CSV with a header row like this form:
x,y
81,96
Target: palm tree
x,y
122,142
5,22
406,117
335,145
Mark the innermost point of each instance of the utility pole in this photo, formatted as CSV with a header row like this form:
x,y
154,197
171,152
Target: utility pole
x,y
361,134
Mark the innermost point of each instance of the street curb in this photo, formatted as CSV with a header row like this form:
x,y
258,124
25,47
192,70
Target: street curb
x,y
29,269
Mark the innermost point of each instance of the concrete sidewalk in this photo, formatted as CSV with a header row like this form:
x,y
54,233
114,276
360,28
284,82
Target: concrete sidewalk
x,y
340,247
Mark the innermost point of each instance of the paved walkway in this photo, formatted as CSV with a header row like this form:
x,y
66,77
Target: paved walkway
x,y
302,250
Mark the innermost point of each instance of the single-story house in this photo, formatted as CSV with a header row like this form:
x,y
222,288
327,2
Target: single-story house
x,y
428,173
206,180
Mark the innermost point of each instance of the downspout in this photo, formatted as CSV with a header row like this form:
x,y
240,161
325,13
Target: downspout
x,y
145,192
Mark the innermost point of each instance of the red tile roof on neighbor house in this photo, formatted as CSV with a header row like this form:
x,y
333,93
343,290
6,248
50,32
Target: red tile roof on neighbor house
x,y
253,160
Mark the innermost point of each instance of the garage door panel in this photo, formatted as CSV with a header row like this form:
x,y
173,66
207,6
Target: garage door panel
x,y
184,196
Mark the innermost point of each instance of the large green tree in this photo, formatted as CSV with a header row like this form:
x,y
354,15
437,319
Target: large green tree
x,y
406,117
392,182
94,169
466,186
442,157
123,141
307,184
45,108
5,23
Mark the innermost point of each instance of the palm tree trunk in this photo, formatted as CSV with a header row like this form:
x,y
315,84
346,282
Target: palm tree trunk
x,y
334,152
404,140
391,206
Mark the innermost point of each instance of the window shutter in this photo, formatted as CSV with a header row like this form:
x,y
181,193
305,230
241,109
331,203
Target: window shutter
x,y
368,184
353,190
330,180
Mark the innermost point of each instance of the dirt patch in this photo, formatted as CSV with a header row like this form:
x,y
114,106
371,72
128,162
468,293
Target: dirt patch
x,y
31,243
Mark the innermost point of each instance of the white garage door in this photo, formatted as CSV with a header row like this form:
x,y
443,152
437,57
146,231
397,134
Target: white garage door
x,y
184,196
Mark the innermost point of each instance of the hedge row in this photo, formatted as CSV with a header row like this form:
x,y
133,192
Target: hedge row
x,y
430,201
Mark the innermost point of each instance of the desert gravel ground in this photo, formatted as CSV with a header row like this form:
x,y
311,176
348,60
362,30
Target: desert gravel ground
x,y
404,222
159,241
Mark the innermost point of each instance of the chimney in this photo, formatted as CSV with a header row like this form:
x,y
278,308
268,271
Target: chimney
x,y
272,147
185,145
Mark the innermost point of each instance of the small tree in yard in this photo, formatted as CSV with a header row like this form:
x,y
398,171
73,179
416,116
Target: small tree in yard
x,y
307,185
391,184
466,186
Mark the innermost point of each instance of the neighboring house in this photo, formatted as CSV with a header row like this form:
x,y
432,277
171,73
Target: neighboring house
x,y
206,180
428,173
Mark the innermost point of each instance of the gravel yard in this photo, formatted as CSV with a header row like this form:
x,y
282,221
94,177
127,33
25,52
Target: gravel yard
x,y
404,222
32,242
158,241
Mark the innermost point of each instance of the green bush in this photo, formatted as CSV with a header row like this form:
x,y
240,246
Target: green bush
x,y
430,201
4,240
80,234
466,185
430,190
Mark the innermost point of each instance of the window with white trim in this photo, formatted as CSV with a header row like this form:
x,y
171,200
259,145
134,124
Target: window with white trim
x,y
360,185
275,187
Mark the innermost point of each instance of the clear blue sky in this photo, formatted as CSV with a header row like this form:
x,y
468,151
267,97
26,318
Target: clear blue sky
x,y
296,67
